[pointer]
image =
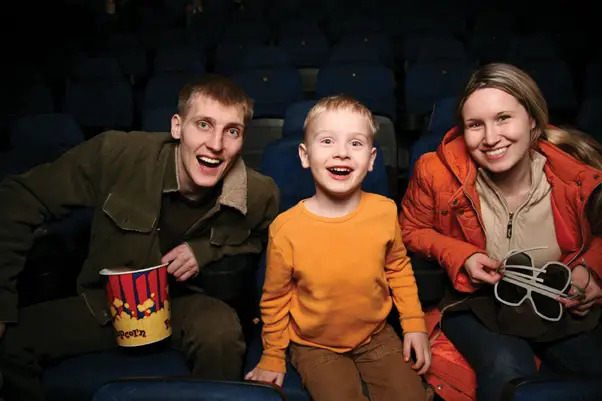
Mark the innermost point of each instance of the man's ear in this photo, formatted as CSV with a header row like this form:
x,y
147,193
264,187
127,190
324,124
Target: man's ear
x,y
372,159
303,155
176,126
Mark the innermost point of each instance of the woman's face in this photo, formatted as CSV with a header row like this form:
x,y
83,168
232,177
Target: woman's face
x,y
497,129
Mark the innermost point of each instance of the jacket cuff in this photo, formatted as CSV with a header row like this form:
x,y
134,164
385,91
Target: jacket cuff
x,y
8,307
455,266
272,363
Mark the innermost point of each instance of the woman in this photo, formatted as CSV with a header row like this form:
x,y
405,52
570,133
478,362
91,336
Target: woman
x,y
497,183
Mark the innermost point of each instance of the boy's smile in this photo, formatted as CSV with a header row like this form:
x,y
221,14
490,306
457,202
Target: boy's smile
x,y
338,150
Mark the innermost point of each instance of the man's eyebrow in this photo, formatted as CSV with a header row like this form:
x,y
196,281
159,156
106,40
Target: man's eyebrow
x,y
235,124
205,118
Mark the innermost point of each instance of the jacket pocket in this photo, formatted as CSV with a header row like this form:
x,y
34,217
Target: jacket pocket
x,y
128,215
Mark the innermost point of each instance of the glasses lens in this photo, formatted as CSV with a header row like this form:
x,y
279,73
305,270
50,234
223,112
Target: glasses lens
x,y
510,293
556,276
520,259
546,306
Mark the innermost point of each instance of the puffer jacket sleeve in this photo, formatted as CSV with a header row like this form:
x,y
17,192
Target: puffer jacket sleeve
x,y
417,219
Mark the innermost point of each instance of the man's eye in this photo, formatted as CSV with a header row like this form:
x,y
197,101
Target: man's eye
x,y
233,132
203,124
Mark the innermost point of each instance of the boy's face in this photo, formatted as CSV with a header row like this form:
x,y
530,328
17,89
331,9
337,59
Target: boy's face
x,y
211,138
338,150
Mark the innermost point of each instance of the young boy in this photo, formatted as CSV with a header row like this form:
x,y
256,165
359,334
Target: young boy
x,y
333,261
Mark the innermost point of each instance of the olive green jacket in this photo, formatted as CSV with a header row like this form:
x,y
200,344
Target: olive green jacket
x,y
123,176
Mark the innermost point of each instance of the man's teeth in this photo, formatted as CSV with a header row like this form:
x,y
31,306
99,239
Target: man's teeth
x,y
208,160
496,152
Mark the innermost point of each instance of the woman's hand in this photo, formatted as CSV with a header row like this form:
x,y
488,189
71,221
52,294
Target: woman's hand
x,y
482,269
580,276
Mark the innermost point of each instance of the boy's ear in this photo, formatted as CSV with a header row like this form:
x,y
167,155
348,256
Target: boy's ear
x,y
303,155
372,159
176,126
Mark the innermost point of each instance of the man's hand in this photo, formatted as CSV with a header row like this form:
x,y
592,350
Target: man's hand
x,y
182,263
593,293
268,376
419,342
482,269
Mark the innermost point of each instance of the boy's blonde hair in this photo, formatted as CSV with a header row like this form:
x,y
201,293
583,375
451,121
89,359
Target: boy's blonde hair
x,y
339,102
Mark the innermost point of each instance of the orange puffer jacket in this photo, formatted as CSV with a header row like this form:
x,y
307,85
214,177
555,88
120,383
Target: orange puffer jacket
x,y
441,219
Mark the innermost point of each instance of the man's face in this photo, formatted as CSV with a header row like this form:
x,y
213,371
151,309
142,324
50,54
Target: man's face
x,y
211,138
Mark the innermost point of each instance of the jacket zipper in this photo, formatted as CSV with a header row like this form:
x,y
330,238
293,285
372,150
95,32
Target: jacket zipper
x,y
509,226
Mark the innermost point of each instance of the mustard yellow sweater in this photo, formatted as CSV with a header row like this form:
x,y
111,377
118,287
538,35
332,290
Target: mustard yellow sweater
x,y
329,280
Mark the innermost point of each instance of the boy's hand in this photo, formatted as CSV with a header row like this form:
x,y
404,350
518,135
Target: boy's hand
x,y
420,344
262,375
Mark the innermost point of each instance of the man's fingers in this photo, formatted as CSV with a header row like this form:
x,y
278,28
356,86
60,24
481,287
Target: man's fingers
x,y
185,276
175,265
249,375
279,380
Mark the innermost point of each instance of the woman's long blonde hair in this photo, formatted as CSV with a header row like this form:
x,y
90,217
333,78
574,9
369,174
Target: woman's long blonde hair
x,y
519,84
585,149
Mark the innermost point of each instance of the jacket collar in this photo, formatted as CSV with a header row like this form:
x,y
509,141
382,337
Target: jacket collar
x,y
234,189
559,165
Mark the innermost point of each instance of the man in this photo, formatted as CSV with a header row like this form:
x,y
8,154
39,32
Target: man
x,y
185,199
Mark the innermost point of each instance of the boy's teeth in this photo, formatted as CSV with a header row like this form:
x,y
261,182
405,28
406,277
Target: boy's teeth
x,y
496,152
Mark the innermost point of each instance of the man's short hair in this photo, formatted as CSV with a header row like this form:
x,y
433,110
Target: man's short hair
x,y
339,102
218,88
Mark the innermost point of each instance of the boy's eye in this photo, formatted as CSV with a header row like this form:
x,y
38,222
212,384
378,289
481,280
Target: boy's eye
x,y
327,141
356,143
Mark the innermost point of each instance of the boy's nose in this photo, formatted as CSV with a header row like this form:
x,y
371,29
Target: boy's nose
x,y
341,151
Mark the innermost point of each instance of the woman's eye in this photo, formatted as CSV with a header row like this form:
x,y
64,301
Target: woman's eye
x,y
503,117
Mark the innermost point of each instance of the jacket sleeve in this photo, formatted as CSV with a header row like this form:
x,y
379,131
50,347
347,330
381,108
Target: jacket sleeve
x,y
275,309
205,252
45,193
593,257
400,277
417,220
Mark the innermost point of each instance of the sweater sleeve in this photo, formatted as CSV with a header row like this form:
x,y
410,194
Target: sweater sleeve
x,y
400,277
417,220
275,309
